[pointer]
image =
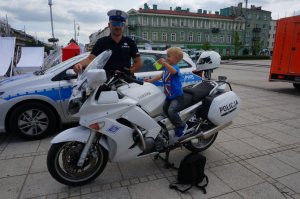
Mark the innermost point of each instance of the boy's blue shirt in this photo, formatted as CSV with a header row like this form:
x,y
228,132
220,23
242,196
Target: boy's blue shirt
x,y
172,83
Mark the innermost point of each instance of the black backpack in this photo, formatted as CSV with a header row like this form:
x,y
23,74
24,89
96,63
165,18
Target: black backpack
x,y
191,171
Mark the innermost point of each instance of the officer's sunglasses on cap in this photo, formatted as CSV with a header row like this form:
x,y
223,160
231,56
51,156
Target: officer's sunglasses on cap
x,y
117,23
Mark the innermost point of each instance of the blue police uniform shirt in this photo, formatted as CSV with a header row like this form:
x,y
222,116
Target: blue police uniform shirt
x,y
172,83
122,52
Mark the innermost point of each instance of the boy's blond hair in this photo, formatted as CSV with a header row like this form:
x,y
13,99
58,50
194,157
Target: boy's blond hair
x,y
177,52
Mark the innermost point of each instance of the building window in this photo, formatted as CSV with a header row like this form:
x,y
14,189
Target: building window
x,y
222,25
191,37
273,35
206,38
249,16
229,39
202,24
174,22
181,23
185,22
145,20
164,36
191,23
265,17
154,21
199,23
206,24
198,37
221,39
154,36
145,35
264,26
269,36
182,36
173,36
257,16
164,21
272,43
214,39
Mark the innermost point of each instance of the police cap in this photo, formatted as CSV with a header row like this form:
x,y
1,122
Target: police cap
x,y
117,15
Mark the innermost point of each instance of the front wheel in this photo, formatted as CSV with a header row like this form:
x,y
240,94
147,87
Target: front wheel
x,y
201,144
62,163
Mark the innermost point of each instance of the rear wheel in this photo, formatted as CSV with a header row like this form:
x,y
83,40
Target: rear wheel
x,y
62,163
296,86
201,144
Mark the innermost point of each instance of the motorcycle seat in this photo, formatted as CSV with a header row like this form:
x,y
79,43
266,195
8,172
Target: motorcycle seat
x,y
196,94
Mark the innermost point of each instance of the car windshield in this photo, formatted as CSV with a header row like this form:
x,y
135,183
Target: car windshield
x,y
63,64
98,63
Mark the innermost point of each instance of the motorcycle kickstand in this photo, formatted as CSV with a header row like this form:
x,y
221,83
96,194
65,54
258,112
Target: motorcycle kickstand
x,y
167,164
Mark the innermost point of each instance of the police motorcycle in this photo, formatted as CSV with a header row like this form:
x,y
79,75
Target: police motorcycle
x,y
121,118
207,62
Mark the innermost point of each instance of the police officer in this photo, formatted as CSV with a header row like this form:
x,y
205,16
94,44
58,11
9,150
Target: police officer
x,y
123,48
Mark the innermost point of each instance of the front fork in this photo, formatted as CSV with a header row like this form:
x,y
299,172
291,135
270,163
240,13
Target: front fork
x,y
86,148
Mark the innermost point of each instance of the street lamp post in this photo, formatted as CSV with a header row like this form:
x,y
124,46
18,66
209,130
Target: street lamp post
x,y
76,25
53,39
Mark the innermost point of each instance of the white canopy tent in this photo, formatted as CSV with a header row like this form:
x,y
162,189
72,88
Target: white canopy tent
x,y
32,58
7,50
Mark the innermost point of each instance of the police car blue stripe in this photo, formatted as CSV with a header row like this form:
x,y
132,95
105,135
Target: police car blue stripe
x,y
53,94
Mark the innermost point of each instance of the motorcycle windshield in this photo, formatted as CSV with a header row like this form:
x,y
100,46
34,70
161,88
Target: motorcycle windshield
x,y
98,63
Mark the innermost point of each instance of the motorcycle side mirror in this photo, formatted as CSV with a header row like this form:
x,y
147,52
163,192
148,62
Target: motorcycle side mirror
x,y
70,74
95,77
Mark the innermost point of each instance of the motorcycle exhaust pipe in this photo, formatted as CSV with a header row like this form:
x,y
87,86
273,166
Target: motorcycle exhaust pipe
x,y
208,133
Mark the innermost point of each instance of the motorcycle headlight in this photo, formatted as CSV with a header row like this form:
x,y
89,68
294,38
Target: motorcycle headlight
x,y
74,105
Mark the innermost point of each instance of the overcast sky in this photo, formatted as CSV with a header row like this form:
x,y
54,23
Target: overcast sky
x,y
91,16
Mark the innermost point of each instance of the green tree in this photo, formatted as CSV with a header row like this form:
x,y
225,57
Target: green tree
x,y
257,44
206,46
237,43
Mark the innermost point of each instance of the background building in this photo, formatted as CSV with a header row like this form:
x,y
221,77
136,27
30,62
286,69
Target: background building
x,y
272,31
257,26
234,30
180,27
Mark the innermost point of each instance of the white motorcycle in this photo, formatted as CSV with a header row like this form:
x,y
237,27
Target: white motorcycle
x,y
122,118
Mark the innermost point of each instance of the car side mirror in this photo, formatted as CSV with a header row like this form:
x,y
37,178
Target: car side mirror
x,y
70,74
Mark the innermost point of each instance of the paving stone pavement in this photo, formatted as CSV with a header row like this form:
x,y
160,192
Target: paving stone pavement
x,y
256,157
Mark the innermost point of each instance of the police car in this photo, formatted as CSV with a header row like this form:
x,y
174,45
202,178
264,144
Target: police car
x,y
34,105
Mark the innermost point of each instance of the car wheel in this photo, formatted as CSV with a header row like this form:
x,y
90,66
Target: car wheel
x,y
32,120
296,86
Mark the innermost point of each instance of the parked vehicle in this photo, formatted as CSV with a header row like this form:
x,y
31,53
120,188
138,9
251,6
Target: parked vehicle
x,y
196,54
34,105
207,62
121,118
285,64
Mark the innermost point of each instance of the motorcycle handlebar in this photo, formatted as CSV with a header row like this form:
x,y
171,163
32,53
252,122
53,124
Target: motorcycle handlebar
x,y
135,80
